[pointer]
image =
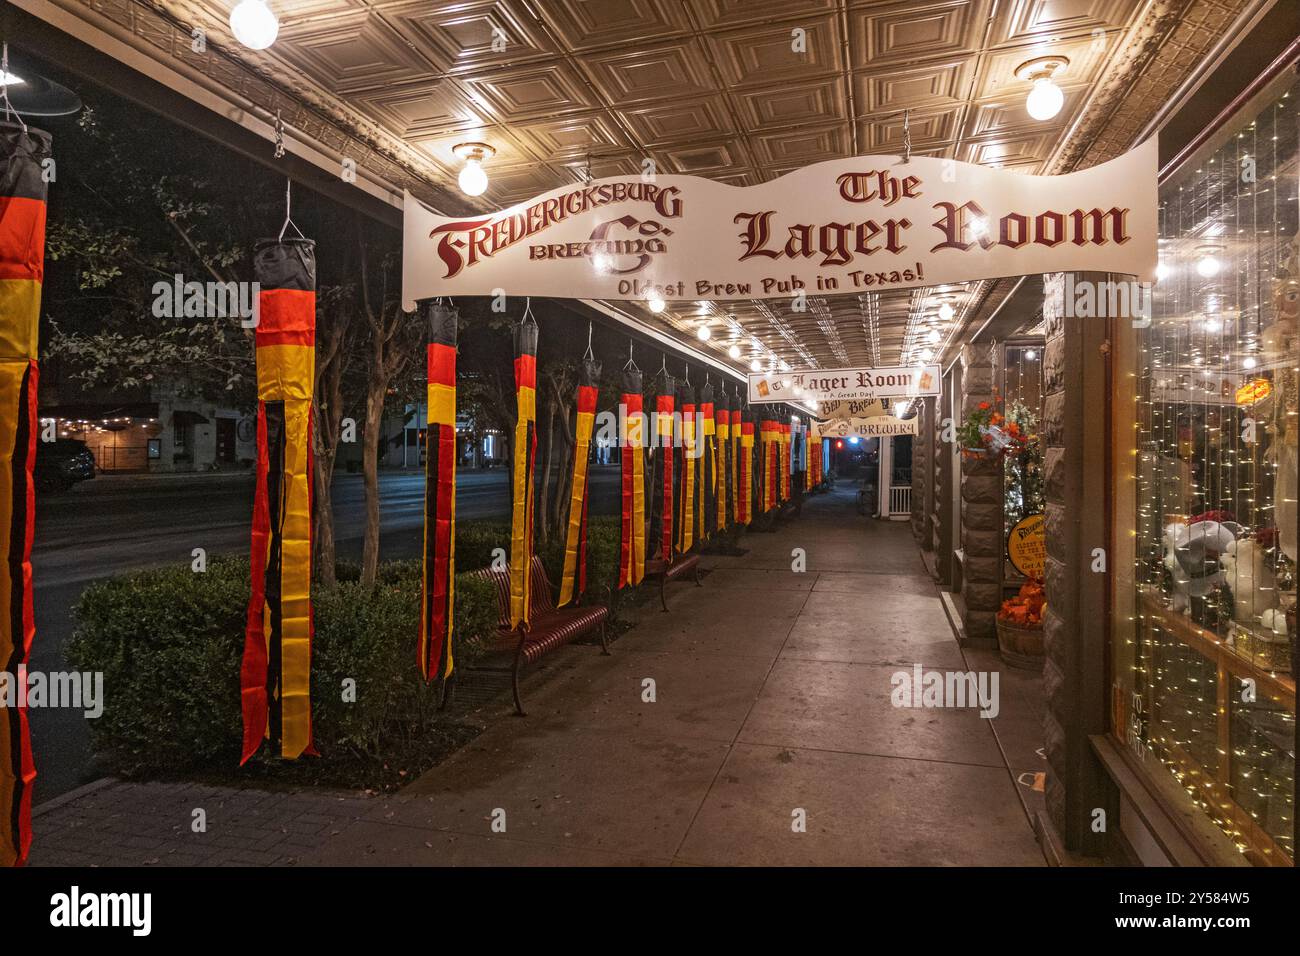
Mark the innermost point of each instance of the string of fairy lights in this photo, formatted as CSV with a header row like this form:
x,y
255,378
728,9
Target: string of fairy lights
x,y
1226,238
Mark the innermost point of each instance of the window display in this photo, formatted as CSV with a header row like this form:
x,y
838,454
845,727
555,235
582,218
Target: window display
x,y
1205,674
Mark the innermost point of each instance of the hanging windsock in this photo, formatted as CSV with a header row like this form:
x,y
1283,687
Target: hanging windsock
x,y
745,481
733,483
783,437
438,590
708,462
23,152
525,457
690,457
771,465
573,584
664,402
722,414
276,671
631,562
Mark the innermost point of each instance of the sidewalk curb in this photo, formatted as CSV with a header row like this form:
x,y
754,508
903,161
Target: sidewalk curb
x,y
65,798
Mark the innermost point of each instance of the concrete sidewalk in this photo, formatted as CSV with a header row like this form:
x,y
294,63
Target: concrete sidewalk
x,y
771,704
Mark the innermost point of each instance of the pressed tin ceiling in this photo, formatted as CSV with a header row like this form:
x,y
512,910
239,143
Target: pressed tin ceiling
x,y
710,88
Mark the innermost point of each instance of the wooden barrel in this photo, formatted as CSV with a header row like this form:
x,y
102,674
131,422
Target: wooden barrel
x,y
1021,646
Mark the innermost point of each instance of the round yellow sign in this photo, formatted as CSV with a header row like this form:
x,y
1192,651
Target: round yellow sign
x,y
1027,546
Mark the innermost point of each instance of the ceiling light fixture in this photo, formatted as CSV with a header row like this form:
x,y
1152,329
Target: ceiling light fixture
x,y
1045,99
1207,266
933,337
253,24
473,180
946,311
703,332
657,305
734,351
756,366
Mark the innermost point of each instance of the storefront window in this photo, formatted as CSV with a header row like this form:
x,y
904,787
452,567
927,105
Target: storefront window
x,y
1204,674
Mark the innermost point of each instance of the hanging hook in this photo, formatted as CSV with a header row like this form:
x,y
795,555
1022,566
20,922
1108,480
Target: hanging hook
x,y
687,366
528,311
907,136
288,202
630,365
4,88
663,366
588,354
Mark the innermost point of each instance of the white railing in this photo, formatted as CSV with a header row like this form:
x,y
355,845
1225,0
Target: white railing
x,y
900,500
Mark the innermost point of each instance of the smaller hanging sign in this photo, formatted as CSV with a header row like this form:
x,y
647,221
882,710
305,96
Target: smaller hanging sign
x,y
880,426
845,384
1027,546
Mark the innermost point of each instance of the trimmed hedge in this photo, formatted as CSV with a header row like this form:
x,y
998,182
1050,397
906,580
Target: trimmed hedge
x,y
169,643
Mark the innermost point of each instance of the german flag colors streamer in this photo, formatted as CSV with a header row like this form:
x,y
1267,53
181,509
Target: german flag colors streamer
x,y
708,463
664,402
525,457
686,486
22,270
783,439
438,588
276,671
573,583
631,561
745,477
722,414
767,483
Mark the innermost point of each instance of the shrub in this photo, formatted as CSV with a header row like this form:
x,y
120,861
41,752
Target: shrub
x,y
169,644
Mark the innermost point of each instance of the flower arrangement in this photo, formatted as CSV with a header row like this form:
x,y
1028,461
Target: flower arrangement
x,y
1026,608
990,431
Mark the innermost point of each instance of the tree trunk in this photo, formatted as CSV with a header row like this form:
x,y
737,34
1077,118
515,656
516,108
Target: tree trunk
x,y
376,387
326,556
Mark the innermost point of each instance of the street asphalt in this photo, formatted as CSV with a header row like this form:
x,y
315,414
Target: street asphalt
x,y
113,524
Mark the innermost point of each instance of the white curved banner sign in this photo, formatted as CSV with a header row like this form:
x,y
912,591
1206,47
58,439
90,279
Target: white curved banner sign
x,y
843,226
851,386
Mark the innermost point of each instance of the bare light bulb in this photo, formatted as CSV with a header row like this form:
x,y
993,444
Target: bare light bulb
x,y
253,24
933,337
756,366
703,332
1045,99
734,352
473,181
946,311
657,305
1249,362
1207,267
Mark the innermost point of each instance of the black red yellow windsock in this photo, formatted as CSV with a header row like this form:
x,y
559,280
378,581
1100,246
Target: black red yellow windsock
x,y
721,415
631,561
664,404
786,460
276,672
690,457
708,463
525,457
573,583
438,589
745,478
22,270
771,465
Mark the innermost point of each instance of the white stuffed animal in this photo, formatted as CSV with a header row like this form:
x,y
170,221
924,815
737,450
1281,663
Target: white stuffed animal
x,y
1254,589
1191,555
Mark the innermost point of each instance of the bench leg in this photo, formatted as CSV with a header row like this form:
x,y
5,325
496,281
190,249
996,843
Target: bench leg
x,y
696,569
663,585
604,643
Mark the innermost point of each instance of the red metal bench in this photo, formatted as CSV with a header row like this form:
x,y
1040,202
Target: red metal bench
x,y
685,564
549,627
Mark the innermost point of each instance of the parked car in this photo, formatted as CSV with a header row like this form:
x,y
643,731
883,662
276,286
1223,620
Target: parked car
x,y
61,464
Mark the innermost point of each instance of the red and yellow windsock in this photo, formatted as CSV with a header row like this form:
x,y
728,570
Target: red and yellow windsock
x,y
22,270
438,591
770,468
708,463
664,402
690,457
745,477
276,672
525,457
733,482
573,583
722,415
631,562
783,439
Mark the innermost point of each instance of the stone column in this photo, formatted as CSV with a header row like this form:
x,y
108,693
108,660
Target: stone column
x,y
922,474
981,510
1074,627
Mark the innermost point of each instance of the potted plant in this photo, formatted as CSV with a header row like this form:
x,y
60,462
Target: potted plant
x,y
987,432
1020,626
